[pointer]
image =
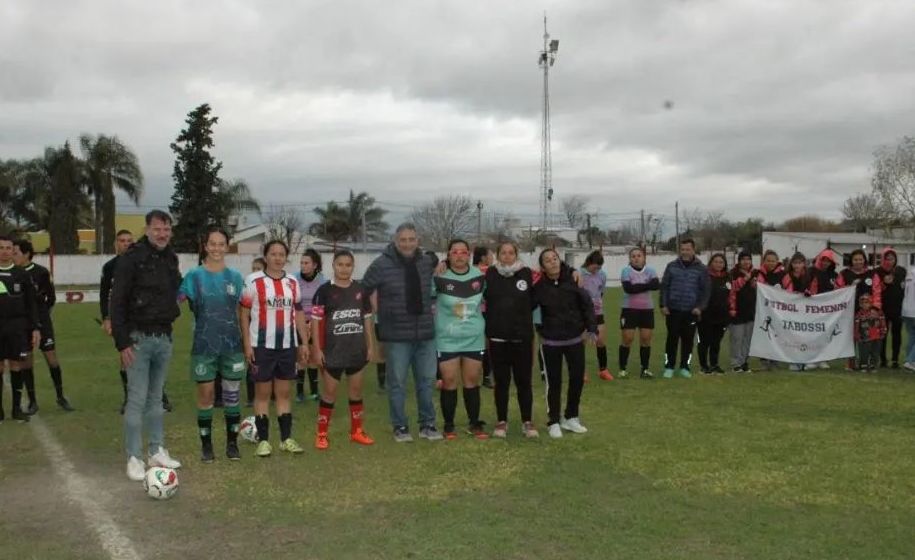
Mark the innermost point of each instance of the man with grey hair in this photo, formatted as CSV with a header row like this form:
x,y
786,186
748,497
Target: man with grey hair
x,y
402,279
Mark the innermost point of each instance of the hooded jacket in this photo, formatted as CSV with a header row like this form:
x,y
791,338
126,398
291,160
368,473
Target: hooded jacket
x,y
386,277
566,310
509,305
824,270
685,285
771,277
893,292
865,282
805,284
742,299
717,310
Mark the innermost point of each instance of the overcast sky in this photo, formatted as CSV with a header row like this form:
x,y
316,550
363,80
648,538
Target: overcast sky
x,y
777,105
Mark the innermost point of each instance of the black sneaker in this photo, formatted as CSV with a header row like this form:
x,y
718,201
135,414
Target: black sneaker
x,y
487,382
166,404
746,368
206,452
20,416
32,409
64,404
895,365
706,370
232,451
717,370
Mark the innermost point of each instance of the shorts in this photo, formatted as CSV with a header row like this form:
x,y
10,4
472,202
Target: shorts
x,y
270,364
14,346
338,373
637,319
600,319
472,355
47,336
205,367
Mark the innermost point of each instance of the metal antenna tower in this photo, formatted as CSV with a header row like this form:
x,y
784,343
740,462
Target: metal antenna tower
x,y
546,60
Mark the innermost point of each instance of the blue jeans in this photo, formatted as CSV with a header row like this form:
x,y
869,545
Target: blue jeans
x,y
145,380
909,323
400,356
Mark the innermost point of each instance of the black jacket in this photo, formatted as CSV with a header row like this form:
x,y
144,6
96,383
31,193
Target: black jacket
x,y
716,312
742,301
105,285
18,304
144,296
566,310
509,302
893,292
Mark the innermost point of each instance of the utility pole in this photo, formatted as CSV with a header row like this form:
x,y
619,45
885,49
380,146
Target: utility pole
x,y
546,60
677,223
588,220
479,222
642,229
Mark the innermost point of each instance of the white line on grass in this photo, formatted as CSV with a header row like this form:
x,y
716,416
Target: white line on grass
x,y
80,489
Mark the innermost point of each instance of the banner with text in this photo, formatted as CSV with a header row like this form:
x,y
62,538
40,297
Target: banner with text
x,y
796,329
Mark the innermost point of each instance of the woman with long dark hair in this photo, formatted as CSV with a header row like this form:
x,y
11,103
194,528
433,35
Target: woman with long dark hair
x,y
798,279
866,281
309,279
566,313
594,281
742,309
714,320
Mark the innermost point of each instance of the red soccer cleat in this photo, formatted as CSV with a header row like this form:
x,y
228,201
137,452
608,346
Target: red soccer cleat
x,y
606,375
321,442
361,438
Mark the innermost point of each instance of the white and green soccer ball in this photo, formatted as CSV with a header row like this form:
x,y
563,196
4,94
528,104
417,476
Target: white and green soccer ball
x,y
161,483
248,429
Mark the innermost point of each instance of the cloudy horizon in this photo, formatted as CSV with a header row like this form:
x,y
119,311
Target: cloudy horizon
x,y
776,107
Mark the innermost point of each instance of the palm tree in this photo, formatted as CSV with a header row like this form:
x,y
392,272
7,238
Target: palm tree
x,y
333,223
232,199
68,200
375,226
110,165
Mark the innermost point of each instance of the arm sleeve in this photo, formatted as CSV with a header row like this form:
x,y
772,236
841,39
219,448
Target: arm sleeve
x,y
317,305
31,302
587,310
52,295
665,286
366,305
105,289
877,289
736,285
705,291
372,277
121,287
787,284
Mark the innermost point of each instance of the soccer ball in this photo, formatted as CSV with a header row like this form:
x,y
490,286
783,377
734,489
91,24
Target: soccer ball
x,y
248,429
160,483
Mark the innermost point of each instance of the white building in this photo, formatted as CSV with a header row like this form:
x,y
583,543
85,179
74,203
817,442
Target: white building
x,y
786,243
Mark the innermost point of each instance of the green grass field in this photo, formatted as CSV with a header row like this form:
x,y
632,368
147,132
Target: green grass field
x,y
767,465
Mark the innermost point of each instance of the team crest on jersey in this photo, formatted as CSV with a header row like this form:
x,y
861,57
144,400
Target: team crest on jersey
x,y
868,281
727,285
230,289
521,285
358,296
475,285
200,370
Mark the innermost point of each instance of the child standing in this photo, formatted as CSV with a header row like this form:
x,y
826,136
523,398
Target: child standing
x,y
870,329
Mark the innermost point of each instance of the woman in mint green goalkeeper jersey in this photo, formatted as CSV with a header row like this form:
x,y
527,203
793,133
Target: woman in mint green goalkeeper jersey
x,y
213,292
460,337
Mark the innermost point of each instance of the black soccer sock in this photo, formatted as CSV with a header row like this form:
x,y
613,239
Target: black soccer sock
x,y
28,379
205,425
124,382
262,423
313,380
624,357
233,421
285,422
57,378
16,383
381,370
602,357
448,399
645,355
472,404
300,382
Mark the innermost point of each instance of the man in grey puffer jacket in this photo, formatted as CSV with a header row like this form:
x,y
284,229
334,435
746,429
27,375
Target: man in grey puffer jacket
x,y
685,291
402,279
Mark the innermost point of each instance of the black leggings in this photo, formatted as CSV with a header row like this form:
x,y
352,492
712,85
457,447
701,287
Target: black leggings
x,y
894,328
512,359
681,329
575,360
710,335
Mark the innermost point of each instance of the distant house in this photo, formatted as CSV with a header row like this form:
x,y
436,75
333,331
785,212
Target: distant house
x,y
786,243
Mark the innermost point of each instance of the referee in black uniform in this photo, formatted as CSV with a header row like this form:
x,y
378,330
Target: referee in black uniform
x,y
19,324
46,297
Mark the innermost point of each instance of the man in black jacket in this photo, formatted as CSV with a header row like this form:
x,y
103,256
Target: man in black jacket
x,y
46,298
18,323
143,306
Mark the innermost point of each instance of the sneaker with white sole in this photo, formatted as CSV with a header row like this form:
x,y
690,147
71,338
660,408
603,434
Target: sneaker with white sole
x,y
163,459
573,425
555,431
402,435
909,366
136,470
430,433
501,430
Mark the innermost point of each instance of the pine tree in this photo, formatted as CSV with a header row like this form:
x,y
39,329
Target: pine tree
x,y
196,176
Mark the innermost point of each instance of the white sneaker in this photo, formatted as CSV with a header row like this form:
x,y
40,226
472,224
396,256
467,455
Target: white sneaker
x,y
555,431
573,425
162,459
824,365
909,366
136,470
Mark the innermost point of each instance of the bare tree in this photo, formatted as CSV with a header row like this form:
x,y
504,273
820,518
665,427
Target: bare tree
x,y
497,226
443,219
286,224
894,177
866,210
809,223
575,209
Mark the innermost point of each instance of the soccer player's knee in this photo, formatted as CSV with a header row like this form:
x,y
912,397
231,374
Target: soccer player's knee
x,y
231,391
